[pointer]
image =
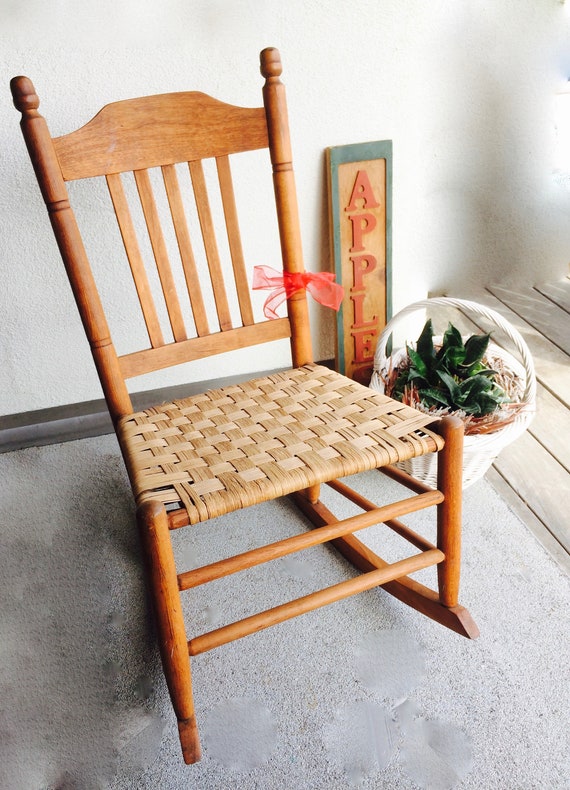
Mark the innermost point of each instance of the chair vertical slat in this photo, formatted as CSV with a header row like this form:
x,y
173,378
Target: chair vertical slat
x,y
160,254
134,257
185,246
208,234
234,238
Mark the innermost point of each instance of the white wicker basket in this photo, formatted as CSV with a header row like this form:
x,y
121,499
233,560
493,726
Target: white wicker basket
x,y
479,450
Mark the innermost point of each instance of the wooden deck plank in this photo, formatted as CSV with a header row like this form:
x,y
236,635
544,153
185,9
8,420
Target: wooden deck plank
x,y
541,482
551,426
558,292
540,312
543,536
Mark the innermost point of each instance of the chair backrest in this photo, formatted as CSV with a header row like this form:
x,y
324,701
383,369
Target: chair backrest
x,y
162,132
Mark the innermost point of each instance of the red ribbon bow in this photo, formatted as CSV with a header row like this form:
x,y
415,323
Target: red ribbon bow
x,y
321,286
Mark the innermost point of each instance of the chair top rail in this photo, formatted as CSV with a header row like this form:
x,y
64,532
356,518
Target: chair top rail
x,y
165,131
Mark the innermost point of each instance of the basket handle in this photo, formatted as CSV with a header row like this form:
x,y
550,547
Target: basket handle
x,y
380,358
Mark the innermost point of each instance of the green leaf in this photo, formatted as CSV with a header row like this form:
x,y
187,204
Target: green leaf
x,y
488,372
433,397
421,368
475,347
481,395
473,408
451,358
487,403
471,389
452,337
451,386
425,342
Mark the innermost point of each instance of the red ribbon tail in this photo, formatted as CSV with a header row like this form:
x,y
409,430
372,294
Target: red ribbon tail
x,y
273,301
326,292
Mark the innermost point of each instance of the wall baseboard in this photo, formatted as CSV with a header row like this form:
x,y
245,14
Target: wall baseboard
x,y
91,418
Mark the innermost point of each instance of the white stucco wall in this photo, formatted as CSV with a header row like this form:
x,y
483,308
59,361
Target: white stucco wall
x,y
464,88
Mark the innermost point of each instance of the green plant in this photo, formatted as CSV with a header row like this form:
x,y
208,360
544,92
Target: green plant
x,y
451,376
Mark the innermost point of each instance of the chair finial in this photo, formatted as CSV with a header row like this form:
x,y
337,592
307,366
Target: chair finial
x,y
271,63
24,94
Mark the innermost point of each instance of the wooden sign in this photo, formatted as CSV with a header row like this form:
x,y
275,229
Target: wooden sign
x,y
360,202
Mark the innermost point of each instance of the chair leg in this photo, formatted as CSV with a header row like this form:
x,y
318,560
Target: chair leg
x,y
161,570
312,494
450,483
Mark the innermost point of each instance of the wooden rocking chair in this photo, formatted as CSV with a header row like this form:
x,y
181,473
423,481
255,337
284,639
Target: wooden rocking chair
x,y
279,434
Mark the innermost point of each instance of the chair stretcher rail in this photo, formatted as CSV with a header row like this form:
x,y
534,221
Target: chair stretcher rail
x,y
248,559
396,526
307,603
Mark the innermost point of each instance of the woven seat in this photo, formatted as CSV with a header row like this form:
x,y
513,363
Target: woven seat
x,y
283,433
248,443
